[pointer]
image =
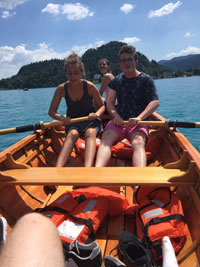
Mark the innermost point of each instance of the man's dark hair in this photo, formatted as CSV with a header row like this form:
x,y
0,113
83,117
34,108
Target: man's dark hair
x,y
128,49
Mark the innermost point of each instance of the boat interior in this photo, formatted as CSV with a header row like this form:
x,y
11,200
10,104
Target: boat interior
x,y
25,181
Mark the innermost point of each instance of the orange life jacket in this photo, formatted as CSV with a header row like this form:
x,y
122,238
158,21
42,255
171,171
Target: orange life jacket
x,y
79,213
80,146
122,149
160,214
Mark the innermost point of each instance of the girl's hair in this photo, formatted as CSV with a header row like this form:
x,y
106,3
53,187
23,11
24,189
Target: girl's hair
x,y
102,60
74,59
128,49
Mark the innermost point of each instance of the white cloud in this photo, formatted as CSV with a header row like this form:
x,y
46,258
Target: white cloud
x,y
165,10
10,4
7,14
13,58
80,50
189,50
75,11
127,8
188,34
130,40
52,9
99,43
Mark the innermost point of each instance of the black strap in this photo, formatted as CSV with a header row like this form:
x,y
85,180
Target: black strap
x,y
139,216
158,220
87,222
160,189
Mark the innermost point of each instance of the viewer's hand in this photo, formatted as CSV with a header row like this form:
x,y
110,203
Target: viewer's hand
x,y
92,116
133,121
118,120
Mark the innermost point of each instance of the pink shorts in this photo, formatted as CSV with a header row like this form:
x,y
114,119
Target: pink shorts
x,y
126,131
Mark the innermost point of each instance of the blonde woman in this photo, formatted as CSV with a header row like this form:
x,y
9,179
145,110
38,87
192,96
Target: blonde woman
x,y
80,95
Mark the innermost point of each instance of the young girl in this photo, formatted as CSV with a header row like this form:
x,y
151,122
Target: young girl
x,y
80,96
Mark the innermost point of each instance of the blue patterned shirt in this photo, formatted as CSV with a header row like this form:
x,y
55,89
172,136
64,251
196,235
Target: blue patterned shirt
x,y
133,94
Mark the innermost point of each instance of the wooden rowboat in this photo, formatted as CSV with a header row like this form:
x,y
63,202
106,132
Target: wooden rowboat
x,y
30,164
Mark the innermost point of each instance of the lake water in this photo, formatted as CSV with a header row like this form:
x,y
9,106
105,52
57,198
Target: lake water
x,y
179,100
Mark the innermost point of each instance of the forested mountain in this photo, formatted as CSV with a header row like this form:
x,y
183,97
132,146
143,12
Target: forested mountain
x,y
110,51
184,63
50,73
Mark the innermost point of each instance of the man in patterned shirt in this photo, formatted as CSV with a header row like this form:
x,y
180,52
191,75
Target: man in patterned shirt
x,y
137,100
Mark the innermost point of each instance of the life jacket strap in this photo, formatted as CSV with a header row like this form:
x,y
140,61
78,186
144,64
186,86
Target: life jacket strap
x,y
87,222
157,220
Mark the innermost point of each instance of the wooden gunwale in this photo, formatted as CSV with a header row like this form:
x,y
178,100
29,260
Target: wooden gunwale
x,y
19,145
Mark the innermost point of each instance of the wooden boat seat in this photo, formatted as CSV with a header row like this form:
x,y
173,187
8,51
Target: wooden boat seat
x,y
109,176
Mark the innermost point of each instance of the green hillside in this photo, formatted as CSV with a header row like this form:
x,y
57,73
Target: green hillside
x,y
50,73
183,63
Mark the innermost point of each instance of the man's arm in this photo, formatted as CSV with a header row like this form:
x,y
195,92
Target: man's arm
x,y
111,108
150,108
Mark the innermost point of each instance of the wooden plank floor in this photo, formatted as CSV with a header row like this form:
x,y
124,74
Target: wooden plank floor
x,y
108,235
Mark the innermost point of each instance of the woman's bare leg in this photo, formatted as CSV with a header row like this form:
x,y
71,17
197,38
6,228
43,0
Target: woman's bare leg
x,y
34,241
90,146
66,151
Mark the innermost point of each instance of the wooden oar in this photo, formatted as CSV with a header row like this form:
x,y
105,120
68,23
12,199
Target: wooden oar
x,y
38,126
168,123
41,125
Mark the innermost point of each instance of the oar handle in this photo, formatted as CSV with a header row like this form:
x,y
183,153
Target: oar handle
x,y
57,123
150,123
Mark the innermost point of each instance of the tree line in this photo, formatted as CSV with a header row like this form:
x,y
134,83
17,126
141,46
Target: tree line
x,y
50,73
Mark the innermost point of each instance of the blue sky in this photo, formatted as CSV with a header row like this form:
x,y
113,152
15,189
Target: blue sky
x,y
35,30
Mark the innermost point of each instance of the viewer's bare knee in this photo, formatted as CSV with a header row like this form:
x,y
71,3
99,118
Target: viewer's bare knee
x,y
33,220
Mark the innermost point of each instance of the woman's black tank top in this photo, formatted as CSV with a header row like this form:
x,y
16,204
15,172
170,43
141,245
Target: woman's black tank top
x,y
82,107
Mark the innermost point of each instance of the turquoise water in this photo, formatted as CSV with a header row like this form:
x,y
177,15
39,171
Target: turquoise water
x,y
179,97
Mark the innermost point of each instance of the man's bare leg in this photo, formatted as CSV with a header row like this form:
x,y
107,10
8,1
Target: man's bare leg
x,y
104,151
139,158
